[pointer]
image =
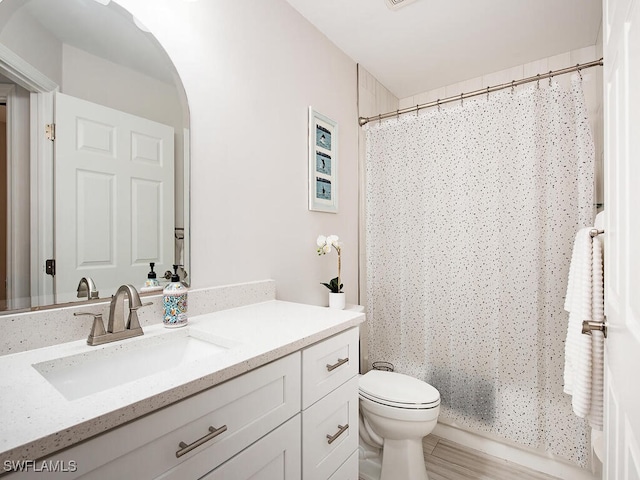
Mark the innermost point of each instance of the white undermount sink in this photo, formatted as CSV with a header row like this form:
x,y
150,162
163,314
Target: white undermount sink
x,y
115,364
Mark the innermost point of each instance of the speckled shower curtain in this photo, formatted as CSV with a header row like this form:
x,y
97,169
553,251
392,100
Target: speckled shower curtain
x,y
471,215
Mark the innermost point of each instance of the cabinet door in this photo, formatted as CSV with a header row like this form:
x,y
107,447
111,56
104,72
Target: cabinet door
x,y
328,364
274,457
348,470
330,432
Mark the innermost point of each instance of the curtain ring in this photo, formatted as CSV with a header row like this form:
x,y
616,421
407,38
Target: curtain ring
x,y
461,100
438,102
538,84
579,72
550,76
417,109
379,119
487,94
513,88
398,114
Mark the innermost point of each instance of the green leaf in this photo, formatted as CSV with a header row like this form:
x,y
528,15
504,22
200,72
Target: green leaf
x,y
333,285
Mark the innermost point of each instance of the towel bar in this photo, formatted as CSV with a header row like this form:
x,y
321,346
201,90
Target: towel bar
x,y
588,327
594,232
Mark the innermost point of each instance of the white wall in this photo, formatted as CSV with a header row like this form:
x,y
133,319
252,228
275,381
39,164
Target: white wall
x,y
250,70
38,47
100,81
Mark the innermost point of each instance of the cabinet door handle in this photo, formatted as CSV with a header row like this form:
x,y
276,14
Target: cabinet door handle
x,y
213,433
342,429
341,361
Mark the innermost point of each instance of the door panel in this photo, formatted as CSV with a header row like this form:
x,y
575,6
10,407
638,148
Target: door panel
x,y
622,238
114,197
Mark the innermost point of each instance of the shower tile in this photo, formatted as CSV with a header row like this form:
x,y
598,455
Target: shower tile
x,y
433,95
560,61
533,68
503,76
583,55
407,102
464,87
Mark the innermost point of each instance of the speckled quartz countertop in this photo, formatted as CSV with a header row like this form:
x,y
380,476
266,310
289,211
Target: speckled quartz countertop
x,y
36,420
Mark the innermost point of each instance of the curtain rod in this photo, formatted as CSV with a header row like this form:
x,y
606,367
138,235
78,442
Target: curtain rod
x,y
485,91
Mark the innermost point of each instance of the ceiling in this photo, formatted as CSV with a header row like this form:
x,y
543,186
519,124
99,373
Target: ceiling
x,y
432,43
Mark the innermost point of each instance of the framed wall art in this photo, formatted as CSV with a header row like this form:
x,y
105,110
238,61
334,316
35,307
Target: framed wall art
x,y
323,163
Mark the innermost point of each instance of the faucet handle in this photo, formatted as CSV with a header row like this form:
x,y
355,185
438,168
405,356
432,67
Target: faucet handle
x,y
142,305
133,322
97,329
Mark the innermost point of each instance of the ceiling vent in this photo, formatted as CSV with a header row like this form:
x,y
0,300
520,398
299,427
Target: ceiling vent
x,y
396,4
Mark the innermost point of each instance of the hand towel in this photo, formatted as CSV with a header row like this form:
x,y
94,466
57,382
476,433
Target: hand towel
x,y
584,354
578,302
597,339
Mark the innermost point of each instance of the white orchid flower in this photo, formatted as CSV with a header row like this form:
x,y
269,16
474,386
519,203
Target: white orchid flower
x,y
332,240
325,245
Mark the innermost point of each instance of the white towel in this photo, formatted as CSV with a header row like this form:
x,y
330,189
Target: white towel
x,y
597,339
583,370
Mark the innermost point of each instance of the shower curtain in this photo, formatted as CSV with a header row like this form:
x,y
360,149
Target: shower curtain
x,y
471,216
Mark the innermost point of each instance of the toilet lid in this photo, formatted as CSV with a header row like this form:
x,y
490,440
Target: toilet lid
x,y
398,389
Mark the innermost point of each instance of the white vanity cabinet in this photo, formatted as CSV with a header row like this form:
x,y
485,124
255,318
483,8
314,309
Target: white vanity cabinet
x,y
293,418
330,408
176,442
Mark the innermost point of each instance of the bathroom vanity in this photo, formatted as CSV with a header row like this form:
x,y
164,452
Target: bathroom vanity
x,y
263,391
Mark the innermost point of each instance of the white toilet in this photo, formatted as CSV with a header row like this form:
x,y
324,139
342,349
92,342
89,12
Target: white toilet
x,y
396,412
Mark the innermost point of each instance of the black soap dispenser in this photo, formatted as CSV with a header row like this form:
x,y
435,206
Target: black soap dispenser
x,y
152,284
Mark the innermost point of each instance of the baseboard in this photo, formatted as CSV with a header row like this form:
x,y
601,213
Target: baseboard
x,y
536,460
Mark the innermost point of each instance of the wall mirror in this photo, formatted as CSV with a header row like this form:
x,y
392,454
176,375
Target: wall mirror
x,y
94,135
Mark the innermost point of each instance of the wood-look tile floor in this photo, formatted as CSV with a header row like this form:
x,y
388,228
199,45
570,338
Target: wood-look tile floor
x,y
447,460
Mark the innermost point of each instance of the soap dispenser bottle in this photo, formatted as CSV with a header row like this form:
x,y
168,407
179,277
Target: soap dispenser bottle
x,y
152,284
174,299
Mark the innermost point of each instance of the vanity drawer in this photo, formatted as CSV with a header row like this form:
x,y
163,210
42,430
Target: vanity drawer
x,y
328,364
274,457
250,406
335,416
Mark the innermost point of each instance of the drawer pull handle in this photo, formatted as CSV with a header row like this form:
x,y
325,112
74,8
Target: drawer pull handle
x,y
213,433
342,429
341,361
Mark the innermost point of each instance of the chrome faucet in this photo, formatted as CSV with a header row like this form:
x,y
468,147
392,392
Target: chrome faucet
x,y
116,329
87,287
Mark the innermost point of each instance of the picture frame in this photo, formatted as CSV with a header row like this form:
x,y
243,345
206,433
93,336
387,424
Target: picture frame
x,y
323,163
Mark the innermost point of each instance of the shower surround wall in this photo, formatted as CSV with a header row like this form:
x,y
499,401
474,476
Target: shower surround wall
x,y
572,442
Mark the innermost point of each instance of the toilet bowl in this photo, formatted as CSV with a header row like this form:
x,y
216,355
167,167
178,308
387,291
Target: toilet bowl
x,y
397,412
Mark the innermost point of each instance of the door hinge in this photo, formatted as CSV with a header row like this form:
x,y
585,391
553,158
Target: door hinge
x,y
50,131
50,267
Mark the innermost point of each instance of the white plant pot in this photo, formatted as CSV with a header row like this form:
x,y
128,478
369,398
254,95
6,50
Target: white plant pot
x,y
337,300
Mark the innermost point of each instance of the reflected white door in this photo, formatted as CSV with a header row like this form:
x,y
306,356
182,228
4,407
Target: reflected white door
x,y
621,21
114,189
